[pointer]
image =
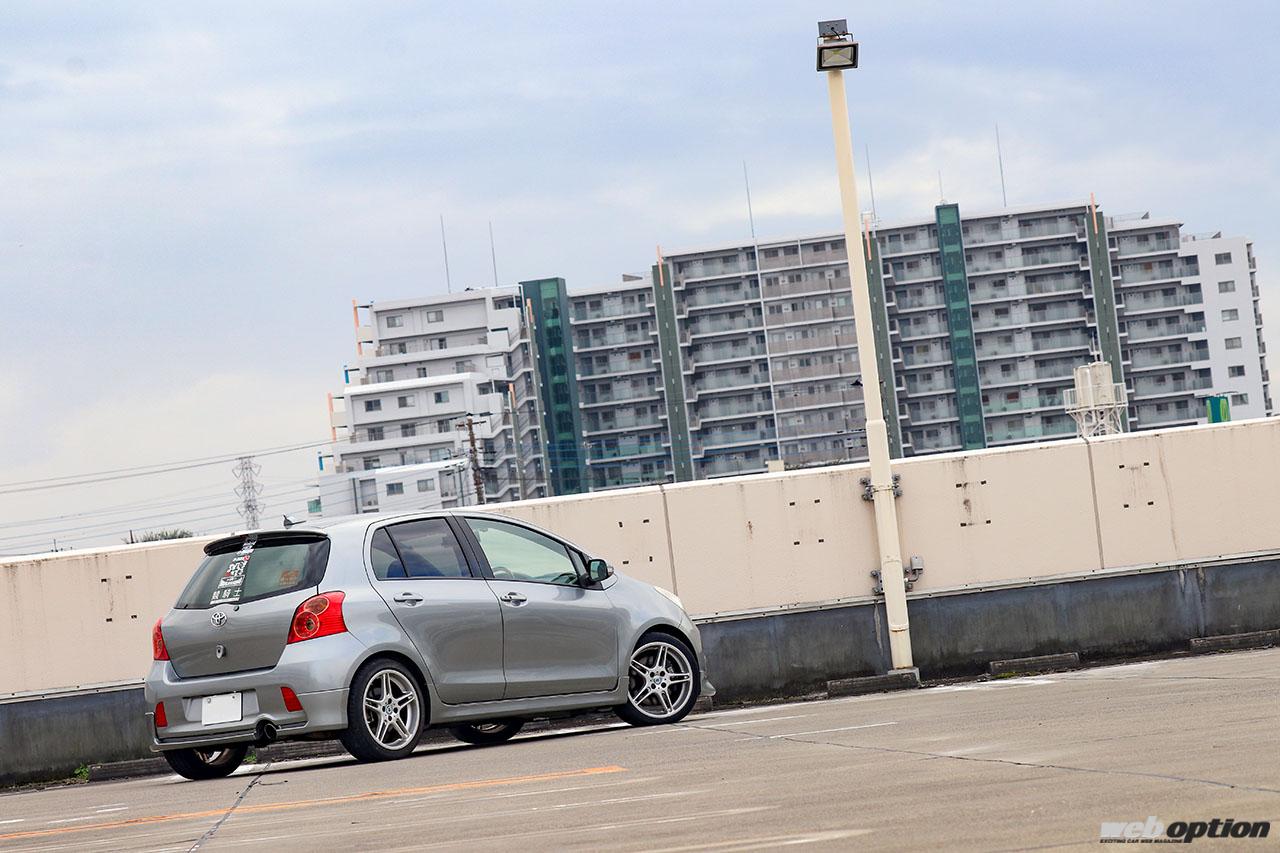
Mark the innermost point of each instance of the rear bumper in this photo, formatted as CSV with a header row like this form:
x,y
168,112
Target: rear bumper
x,y
316,671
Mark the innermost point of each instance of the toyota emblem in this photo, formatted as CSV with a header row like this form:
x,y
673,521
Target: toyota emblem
x,y
218,619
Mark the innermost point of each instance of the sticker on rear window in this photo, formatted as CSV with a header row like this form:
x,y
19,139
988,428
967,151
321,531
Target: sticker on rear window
x,y
289,577
231,584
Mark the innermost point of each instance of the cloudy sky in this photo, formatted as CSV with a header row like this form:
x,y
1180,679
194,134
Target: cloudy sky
x,y
191,194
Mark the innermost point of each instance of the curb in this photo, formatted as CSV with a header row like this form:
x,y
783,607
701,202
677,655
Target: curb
x,y
1228,642
1039,663
898,679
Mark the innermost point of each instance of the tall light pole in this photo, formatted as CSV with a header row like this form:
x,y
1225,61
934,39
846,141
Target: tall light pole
x,y
836,52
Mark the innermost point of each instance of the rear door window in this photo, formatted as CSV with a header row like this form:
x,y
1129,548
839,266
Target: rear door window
x,y
251,569
425,549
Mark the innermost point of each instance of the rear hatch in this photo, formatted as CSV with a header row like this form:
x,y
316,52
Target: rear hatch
x,y
235,613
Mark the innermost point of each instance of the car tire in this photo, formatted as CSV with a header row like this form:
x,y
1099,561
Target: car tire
x,y
661,665
386,712
487,733
201,764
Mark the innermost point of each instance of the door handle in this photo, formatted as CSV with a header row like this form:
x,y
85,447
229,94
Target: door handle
x,y
409,598
515,599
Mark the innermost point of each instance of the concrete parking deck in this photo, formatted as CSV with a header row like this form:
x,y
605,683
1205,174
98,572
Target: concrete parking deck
x,y
1004,764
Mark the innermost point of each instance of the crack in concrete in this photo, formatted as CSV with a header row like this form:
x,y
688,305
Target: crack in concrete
x,y
1005,761
239,799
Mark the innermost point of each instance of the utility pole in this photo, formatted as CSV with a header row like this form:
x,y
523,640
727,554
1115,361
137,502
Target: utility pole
x,y
476,476
247,471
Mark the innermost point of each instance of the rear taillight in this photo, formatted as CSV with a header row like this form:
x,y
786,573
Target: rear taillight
x,y
318,616
161,719
158,651
291,702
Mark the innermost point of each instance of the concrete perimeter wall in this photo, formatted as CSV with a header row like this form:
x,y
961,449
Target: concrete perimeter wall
x,y
983,520
1119,546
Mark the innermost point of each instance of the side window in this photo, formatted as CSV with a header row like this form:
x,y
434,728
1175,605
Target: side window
x,y
429,549
519,554
386,562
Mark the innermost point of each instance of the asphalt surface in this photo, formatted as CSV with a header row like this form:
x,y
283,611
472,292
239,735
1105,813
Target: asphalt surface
x,y
999,765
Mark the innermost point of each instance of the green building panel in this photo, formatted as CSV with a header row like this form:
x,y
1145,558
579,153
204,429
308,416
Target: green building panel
x,y
557,384
1104,296
973,432
664,305
884,348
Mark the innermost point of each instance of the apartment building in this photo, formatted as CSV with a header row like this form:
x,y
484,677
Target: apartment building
x,y
980,321
436,379
625,437
734,356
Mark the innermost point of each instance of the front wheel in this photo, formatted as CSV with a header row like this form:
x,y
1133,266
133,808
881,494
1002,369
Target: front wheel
x,y
213,763
384,712
484,734
663,681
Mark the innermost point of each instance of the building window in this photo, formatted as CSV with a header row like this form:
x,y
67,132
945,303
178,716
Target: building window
x,y
375,433
442,396
1234,343
1229,314
1239,399
408,430
426,485
399,348
373,405
395,321
395,489
435,316
405,402
1226,287
1222,258
383,376
422,373
1235,370
444,425
372,463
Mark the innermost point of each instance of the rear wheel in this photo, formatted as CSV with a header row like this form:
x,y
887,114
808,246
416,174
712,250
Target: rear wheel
x,y
662,683
385,711
212,763
495,731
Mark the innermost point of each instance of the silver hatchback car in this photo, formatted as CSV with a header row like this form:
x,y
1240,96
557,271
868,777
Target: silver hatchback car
x,y
372,629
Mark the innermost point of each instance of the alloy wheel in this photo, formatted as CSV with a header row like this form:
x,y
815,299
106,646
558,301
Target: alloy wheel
x,y
391,709
660,680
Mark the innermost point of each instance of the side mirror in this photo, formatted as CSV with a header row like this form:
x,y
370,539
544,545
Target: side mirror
x,y
598,570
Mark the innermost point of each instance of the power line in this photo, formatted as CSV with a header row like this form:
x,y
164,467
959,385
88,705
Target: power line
x,y
145,470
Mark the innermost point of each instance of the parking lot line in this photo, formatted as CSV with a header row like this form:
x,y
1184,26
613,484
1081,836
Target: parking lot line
x,y
298,804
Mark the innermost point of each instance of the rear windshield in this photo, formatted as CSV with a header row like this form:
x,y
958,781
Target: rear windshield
x,y
250,569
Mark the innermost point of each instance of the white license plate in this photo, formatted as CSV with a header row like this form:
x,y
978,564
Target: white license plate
x,y
223,708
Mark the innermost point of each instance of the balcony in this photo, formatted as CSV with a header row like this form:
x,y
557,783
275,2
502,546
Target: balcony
x,y
703,356
614,339
1135,305
791,402
1030,432
916,331
704,297
1134,274
1145,388
738,323
615,366
809,284
714,381
619,397
1165,330
612,310
1126,248
1022,404
731,438
1143,359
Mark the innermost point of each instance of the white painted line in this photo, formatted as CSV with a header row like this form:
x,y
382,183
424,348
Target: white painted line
x,y
12,820
841,729
72,819
112,809
764,720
